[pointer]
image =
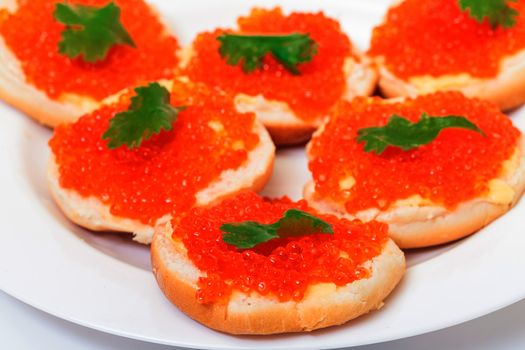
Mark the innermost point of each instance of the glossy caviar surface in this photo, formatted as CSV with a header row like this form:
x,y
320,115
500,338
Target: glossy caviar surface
x,y
164,174
32,34
284,267
311,94
434,37
453,168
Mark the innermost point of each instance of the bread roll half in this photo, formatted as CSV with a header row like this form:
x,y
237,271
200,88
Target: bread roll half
x,y
414,225
453,41
290,107
324,304
17,91
92,213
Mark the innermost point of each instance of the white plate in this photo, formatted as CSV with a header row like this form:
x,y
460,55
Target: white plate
x,y
103,281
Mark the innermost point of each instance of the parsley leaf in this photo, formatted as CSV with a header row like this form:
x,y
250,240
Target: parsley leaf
x,y
497,12
401,132
150,112
90,31
289,50
295,222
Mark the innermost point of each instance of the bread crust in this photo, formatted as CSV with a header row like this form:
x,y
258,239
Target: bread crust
x,y
256,314
422,226
506,90
92,213
16,91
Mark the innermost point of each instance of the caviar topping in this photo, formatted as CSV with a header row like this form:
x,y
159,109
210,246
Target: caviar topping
x,y
457,166
282,267
442,39
166,172
33,35
311,94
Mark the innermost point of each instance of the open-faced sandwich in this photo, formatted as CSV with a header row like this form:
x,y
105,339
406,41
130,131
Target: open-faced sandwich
x,y
474,46
256,266
289,70
435,168
152,156
61,59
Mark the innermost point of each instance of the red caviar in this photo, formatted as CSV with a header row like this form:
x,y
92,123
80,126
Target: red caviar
x,y
434,37
282,267
453,168
33,34
311,94
164,174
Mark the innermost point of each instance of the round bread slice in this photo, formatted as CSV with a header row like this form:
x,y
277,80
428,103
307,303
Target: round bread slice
x,y
92,213
506,89
18,92
415,225
285,125
417,222
323,305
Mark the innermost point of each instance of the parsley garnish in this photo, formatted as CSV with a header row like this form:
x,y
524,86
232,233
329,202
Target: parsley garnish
x,y
401,132
289,50
90,31
150,112
295,222
497,12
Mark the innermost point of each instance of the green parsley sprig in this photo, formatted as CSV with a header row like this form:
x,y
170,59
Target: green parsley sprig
x,y
90,31
497,12
150,112
295,222
250,50
403,133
